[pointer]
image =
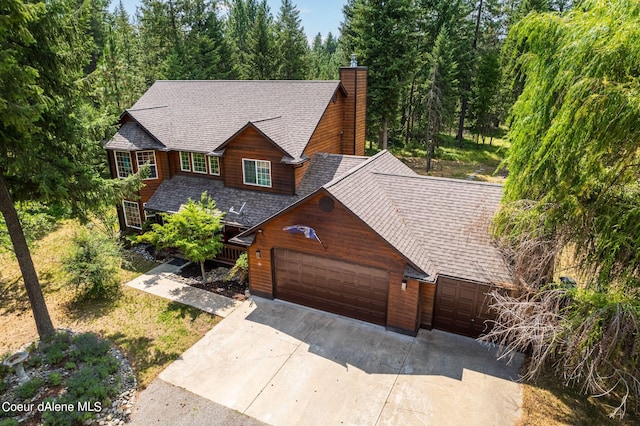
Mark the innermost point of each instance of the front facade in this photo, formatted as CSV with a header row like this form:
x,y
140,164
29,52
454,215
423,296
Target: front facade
x,y
249,144
392,248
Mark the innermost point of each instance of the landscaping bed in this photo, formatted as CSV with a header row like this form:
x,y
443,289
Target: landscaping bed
x,y
217,280
72,379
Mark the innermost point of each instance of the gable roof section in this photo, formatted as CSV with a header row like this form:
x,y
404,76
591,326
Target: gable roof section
x,y
132,137
451,219
200,116
441,226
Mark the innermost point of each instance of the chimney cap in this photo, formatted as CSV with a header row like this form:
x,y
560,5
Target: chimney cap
x,y
354,61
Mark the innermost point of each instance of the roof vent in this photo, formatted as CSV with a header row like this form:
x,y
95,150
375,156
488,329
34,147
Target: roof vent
x,y
354,61
326,204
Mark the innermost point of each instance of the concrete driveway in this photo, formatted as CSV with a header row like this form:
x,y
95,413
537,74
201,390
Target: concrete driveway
x,y
288,365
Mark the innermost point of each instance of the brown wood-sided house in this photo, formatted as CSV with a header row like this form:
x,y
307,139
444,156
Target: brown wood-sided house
x,y
323,226
249,144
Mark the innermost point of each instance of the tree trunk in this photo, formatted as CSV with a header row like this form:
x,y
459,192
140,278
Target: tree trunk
x,y
409,122
385,134
204,277
464,102
31,283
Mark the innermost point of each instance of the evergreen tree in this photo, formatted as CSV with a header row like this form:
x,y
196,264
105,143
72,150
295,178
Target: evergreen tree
x,y
382,35
240,20
441,85
46,145
261,64
291,44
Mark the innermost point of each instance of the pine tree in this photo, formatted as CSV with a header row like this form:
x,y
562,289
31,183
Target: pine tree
x,y
261,64
382,35
291,44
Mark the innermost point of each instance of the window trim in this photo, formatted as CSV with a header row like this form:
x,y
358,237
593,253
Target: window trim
x,y
255,162
124,212
193,165
211,157
188,161
155,163
147,216
115,159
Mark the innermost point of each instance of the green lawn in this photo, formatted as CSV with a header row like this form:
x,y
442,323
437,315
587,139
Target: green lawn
x,y
482,161
151,331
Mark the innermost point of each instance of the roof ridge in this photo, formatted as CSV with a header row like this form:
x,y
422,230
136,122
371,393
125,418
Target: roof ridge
x,y
248,81
265,119
145,108
353,170
417,176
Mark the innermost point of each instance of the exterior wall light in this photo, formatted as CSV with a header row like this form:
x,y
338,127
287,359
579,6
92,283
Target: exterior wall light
x,y
258,254
404,285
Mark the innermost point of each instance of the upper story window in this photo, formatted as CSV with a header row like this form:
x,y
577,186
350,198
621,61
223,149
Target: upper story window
x,y
214,166
256,172
199,162
185,164
148,157
132,214
124,167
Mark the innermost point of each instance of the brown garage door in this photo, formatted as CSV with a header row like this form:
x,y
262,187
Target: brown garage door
x,y
462,307
343,288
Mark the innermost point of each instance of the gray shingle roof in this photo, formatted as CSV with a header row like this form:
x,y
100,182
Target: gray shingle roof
x,y
451,219
440,225
173,193
200,116
324,168
131,137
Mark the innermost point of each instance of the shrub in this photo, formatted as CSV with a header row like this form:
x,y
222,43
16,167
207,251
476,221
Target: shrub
x,y
29,389
241,269
9,422
70,365
54,379
54,347
89,347
93,266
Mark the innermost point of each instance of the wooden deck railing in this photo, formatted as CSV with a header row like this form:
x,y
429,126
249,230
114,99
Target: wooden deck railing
x,y
230,253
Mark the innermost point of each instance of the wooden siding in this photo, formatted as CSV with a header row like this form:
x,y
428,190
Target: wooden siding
x,y
327,136
176,170
252,145
150,185
354,81
402,309
344,237
427,301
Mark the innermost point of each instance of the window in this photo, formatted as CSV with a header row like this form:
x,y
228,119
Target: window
x,y
214,166
131,214
123,164
199,163
185,165
149,214
256,172
149,157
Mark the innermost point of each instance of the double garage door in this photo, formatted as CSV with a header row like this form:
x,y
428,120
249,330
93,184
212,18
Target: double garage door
x,y
343,288
462,307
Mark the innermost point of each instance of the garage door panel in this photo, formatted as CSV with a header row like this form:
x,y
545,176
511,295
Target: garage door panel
x,y
347,289
462,307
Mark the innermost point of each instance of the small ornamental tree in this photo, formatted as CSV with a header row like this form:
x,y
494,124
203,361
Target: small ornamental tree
x,y
195,230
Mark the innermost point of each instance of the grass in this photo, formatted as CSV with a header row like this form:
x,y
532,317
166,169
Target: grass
x,y
549,403
152,332
482,161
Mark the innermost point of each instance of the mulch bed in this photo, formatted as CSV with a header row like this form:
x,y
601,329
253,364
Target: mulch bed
x,y
216,280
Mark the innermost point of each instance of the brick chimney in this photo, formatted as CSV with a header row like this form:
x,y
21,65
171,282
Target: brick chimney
x,y
354,80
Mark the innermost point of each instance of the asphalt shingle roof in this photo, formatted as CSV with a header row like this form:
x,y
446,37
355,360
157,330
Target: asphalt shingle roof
x,y
450,218
173,193
200,116
440,225
131,137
